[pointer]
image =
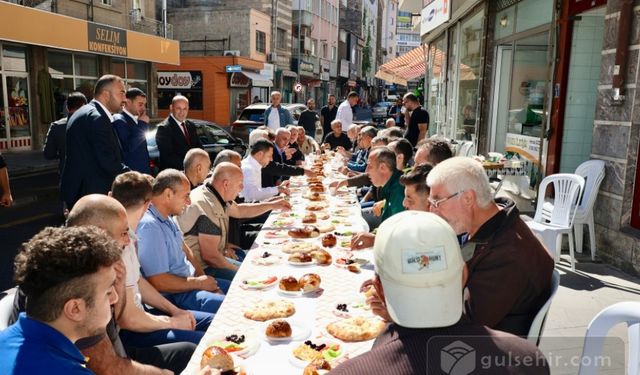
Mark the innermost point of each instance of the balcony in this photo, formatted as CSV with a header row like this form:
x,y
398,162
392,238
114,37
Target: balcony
x,y
48,5
141,24
304,17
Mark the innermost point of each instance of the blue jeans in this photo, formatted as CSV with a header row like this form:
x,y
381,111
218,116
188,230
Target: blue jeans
x,y
226,273
160,337
200,300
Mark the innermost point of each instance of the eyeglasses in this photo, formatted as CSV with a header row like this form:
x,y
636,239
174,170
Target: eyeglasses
x,y
435,203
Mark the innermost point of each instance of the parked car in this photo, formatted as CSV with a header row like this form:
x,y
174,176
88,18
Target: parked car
x,y
213,137
380,111
252,117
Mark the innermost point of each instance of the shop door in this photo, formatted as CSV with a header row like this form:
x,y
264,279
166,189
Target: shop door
x,y
519,81
15,122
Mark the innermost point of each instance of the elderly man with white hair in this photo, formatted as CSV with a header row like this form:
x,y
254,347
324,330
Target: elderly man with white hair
x,y
276,115
306,144
509,269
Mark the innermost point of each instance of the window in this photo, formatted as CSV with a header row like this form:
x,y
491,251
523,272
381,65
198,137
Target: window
x,y
261,41
73,72
314,47
334,53
134,73
106,2
282,38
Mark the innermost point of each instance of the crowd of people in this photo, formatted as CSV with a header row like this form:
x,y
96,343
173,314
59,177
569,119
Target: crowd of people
x,y
132,281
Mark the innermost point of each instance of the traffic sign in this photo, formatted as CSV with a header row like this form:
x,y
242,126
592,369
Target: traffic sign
x,y
233,68
298,87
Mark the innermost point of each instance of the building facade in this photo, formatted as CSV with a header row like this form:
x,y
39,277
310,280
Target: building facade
x,y
39,68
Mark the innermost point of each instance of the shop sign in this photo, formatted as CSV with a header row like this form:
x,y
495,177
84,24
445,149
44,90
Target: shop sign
x,y
434,14
267,71
528,147
107,39
180,80
239,80
232,68
324,76
351,83
306,66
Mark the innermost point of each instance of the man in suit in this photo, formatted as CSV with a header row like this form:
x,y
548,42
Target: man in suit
x,y
55,141
176,135
130,127
93,154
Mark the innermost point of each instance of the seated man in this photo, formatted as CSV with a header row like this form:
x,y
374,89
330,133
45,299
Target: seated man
x,y
253,190
353,133
69,299
297,157
416,191
404,152
432,151
306,144
197,166
358,162
228,156
419,282
336,138
139,328
509,269
382,171
167,263
206,221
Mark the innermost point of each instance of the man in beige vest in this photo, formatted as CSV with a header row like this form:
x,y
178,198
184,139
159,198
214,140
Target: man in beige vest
x,y
205,222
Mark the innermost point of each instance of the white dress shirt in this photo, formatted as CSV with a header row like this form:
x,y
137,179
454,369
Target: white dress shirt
x,y
345,115
253,190
109,114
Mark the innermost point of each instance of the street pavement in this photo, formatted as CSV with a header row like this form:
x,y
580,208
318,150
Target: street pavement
x,y
581,295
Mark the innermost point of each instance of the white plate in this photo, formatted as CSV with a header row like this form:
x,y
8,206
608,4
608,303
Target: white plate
x,y
358,307
300,293
305,264
359,261
245,283
251,343
273,242
318,341
298,332
275,234
283,223
268,261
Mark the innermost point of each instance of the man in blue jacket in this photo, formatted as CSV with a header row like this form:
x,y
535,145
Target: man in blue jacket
x,y
277,116
131,125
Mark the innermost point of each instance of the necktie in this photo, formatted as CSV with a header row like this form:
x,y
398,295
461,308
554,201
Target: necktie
x,y
186,133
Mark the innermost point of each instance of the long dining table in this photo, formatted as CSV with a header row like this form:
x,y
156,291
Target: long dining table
x,y
267,259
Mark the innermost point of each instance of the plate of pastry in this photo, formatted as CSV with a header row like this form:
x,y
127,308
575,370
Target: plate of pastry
x,y
280,330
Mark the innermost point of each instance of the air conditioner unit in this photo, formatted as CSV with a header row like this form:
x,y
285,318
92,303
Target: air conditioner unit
x,y
233,52
273,57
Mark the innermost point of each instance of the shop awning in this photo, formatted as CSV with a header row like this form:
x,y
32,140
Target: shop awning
x,y
258,80
404,68
413,6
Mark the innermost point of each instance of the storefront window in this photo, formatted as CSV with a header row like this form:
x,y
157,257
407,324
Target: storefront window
x,y
134,73
469,77
85,65
14,58
435,84
60,63
117,67
452,71
3,121
17,88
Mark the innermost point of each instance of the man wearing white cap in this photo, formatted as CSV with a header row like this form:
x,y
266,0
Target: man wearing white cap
x,y
509,269
419,277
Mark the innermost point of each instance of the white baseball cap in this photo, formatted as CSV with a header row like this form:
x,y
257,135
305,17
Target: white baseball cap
x,y
419,263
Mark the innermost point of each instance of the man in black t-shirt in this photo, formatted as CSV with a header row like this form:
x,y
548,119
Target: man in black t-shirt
x,y
328,114
337,137
308,118
418,123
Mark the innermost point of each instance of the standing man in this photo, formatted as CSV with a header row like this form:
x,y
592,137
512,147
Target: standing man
x,y
131,126
328,114
418,122
309,117
276,115
94,155
69,299
176,135
55,141
345,110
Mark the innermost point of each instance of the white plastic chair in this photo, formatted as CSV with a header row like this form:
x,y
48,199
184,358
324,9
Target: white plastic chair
x,y
6,307
567,188
593,172
466,148
537,325
621,312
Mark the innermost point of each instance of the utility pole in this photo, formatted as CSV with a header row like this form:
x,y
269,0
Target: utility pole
x,y
300,44
274,37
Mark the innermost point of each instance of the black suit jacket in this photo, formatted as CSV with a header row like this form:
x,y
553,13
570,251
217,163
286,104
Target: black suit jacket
x,y
276,169
94,157
172,143
54,144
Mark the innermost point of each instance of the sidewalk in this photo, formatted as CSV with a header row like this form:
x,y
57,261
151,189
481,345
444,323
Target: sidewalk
x,y
582,295
20,163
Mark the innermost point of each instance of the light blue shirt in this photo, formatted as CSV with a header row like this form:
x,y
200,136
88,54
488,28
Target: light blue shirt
x,y
160,246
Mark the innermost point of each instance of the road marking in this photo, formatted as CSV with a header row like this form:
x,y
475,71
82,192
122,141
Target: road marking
x,y
25,220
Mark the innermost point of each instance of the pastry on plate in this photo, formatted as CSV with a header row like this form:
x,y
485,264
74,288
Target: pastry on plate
x,y
309,282
308,231
356,328
278,329
267,310
290,284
